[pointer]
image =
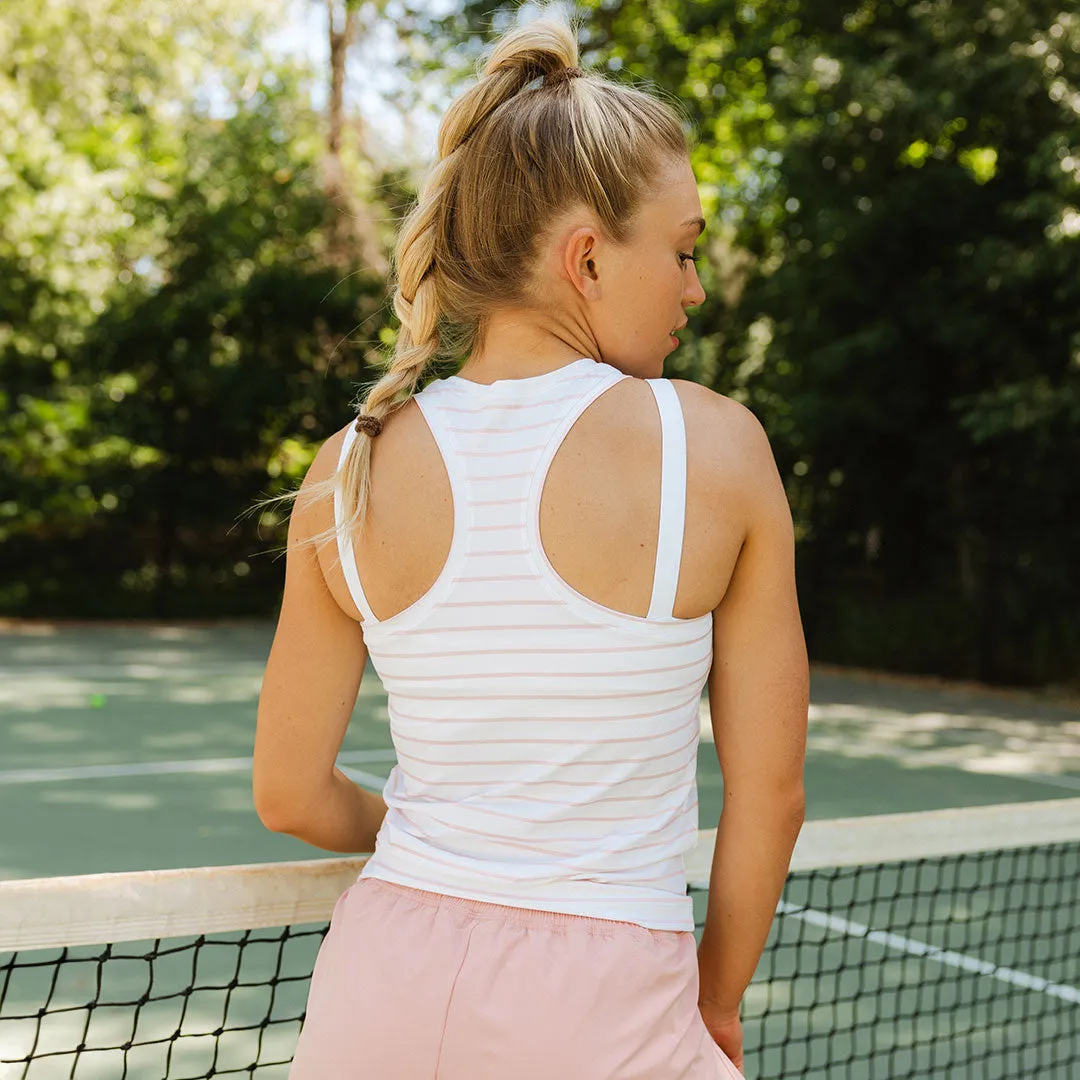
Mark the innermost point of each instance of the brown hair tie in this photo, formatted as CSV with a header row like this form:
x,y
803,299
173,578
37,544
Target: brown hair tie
x,y
371,424
562,75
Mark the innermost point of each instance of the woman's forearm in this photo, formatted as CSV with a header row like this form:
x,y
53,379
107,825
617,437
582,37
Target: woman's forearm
x,y
750,863
342,817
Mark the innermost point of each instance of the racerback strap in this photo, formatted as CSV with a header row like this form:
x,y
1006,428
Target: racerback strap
x,y
346,554
672,499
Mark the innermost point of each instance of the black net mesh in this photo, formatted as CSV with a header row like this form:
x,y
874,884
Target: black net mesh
x,y
227,1004
958,967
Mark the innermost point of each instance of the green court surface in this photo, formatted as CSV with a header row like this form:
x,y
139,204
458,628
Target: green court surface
x,y
127,747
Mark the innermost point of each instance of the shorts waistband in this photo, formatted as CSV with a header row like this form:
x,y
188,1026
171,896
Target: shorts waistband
x,y
518,916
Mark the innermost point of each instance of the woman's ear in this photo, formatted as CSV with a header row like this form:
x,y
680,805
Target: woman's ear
x,y
579,261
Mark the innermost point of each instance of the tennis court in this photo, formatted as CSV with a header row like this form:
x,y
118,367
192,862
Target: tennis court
x,y
938,943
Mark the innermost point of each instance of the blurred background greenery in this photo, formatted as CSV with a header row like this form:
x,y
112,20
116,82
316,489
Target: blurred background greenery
x,y
194,234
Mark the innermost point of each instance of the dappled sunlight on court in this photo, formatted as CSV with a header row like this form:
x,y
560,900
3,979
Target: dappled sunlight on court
x,y
102,799
975,742
184,684
926,727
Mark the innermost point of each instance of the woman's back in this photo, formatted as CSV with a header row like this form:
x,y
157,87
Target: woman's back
x,y
547,737
599,513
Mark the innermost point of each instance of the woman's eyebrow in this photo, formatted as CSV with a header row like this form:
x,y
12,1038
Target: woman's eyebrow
x,y
698,221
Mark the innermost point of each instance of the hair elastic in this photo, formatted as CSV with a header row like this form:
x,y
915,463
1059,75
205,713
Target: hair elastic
x,y
371,424
561,75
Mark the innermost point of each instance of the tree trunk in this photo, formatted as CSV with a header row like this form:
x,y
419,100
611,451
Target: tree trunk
x,y
352,237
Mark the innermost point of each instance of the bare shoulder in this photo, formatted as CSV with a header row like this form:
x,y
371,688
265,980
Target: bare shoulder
x,y
724,439
716,413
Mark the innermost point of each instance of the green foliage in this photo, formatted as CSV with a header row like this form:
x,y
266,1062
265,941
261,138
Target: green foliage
x,y
894,289
172,343
924,328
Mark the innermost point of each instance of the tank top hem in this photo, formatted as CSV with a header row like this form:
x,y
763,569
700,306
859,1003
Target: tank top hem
x,y
670,912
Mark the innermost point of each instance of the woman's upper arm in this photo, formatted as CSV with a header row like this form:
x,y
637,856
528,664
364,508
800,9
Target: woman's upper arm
x,y
313,673
759,683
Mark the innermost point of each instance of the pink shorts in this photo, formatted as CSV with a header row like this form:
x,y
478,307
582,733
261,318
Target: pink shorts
x,y
415,985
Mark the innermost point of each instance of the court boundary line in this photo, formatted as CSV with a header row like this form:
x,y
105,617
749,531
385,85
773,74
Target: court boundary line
x,y
914,947
46,775
1060,780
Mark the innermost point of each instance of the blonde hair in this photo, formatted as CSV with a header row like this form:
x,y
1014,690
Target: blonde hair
x,y
511,156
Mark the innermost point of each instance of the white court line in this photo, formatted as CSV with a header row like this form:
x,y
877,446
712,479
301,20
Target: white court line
x,y
159,768
1072,783
145,668
366,779
931,952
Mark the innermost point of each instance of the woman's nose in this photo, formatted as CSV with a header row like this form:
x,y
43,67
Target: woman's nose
x,y
695,294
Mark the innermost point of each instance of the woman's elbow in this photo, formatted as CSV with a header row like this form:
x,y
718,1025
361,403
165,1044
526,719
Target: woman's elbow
x,y
272,816
790,802
797,806
274,806
786,805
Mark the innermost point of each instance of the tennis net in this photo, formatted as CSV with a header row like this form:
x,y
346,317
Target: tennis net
x,y
933,945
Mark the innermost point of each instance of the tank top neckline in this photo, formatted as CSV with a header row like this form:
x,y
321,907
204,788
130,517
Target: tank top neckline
x,y
529,382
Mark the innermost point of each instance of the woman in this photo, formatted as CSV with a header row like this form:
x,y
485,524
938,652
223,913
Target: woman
x,y
559,548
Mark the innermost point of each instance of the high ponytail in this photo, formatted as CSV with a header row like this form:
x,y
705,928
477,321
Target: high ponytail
x,y
511,156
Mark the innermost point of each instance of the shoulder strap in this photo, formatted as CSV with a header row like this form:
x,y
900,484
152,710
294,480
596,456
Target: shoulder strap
x,y
346,555
672,499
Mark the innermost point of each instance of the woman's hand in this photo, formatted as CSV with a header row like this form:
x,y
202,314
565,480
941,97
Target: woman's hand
x,y
726,1029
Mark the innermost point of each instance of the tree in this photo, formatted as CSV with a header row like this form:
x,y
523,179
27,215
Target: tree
x,y
352,230
173,334
892,197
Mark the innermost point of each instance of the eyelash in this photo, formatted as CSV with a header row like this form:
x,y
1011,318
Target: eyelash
x,y
692,258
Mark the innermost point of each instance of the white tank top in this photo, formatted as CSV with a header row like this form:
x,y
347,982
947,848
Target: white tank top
x,y
546,745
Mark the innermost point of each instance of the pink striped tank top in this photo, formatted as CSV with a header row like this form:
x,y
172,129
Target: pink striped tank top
x,y
546,745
